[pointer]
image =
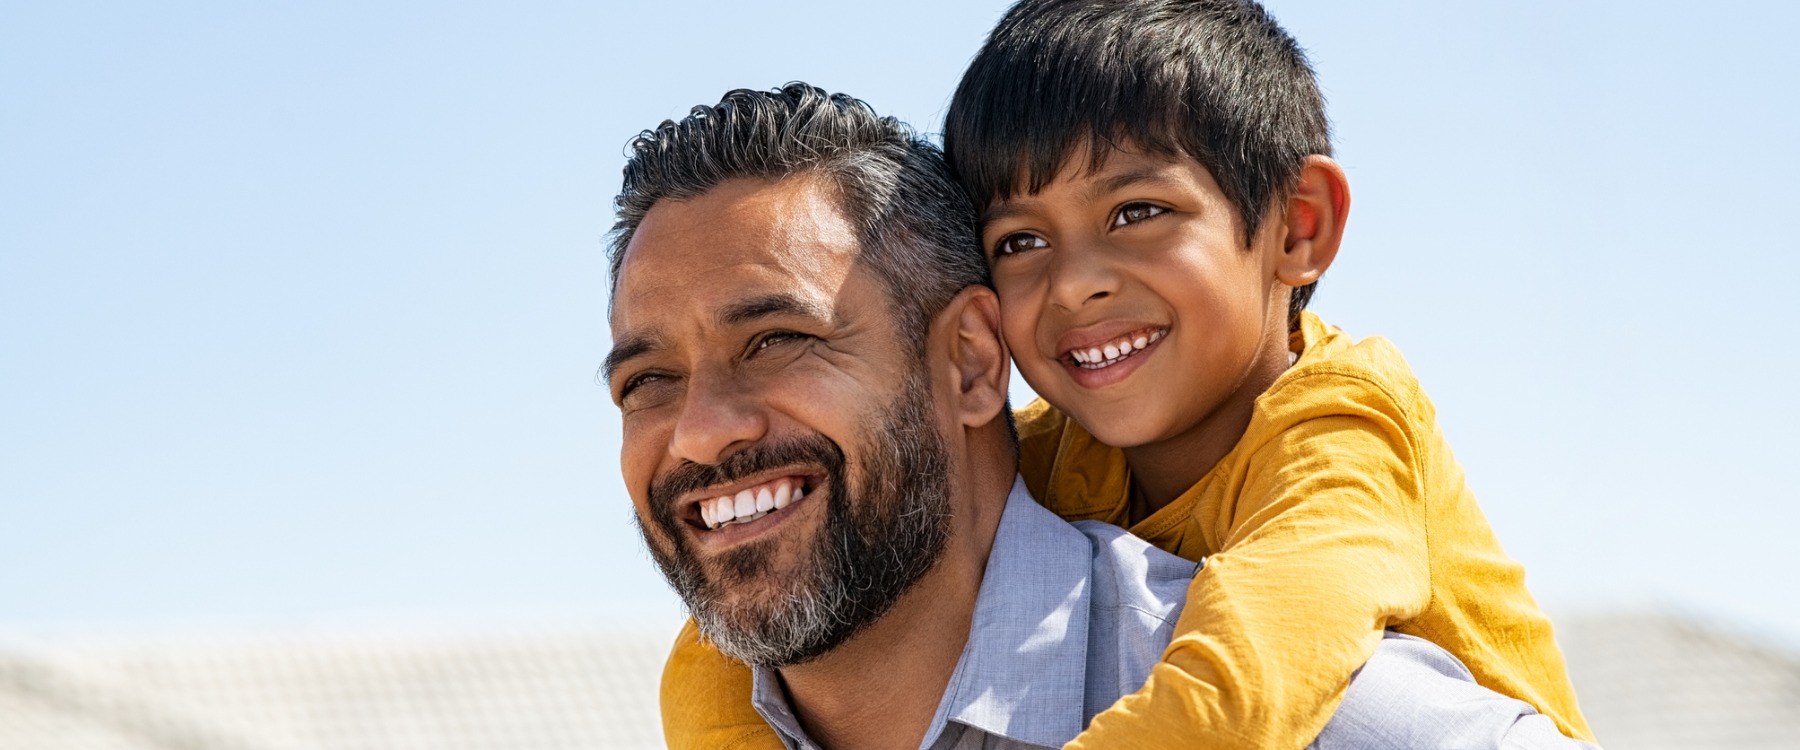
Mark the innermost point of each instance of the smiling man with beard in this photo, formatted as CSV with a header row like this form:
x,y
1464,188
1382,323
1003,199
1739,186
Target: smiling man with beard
x,y
808,364
863,556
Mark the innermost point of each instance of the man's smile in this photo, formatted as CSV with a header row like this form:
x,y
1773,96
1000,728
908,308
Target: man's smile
x,y
751,503
726,515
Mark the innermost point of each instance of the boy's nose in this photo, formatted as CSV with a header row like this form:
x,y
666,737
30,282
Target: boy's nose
x,y
1079,275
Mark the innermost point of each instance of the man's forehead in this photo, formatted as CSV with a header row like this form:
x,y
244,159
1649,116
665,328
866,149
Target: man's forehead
x,y
744,238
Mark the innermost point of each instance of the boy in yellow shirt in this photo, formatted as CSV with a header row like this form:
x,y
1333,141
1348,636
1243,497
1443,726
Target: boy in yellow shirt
x,y
1158,201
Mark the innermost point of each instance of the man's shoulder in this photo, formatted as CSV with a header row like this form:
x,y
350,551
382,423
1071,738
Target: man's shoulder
x,y
1412,693
1130,573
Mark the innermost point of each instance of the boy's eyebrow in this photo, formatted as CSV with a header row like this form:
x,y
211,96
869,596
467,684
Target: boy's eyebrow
x,y
1005,209
1145,175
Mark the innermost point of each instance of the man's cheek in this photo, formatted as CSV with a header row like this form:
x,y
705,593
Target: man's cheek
x,y
656,530
637,467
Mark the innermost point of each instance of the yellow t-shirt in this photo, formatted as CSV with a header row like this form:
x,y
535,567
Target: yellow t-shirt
x,y
1339,513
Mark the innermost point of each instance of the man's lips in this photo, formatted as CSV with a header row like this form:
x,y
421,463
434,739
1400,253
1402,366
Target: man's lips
x,y
747,501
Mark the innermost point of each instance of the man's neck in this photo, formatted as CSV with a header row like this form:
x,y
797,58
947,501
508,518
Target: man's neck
x,y
881,688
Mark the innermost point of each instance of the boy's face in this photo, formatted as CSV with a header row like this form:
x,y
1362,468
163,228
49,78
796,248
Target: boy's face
x,y
1130,301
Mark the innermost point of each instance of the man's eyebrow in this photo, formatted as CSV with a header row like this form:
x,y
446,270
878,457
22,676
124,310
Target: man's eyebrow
x,y
626,349
755,308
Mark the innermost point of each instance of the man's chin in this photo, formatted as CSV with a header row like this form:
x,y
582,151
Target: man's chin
x,y
770,626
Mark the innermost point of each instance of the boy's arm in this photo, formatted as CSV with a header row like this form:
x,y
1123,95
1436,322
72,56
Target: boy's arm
x,y
706,700
1324,547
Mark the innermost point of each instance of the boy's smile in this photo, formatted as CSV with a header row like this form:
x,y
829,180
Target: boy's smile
x,y
1132,303
1098,356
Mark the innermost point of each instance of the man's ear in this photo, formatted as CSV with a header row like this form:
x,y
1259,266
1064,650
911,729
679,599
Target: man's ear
x,y
979,361
1316,211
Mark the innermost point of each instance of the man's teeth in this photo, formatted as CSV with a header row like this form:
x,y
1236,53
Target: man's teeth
x,y
1096,357
749,505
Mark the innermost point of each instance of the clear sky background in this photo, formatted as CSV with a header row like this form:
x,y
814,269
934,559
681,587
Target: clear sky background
x,y
301,304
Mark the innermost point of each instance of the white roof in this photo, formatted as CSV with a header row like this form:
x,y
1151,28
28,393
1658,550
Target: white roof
x,y
1648,681
1645,680
508,693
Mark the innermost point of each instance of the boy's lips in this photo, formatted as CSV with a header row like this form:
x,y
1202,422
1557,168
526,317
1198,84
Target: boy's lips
x,y
1104,354
1102,342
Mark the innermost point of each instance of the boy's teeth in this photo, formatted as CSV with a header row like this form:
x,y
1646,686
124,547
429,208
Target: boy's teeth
x,y
765,500
746,503
1106,355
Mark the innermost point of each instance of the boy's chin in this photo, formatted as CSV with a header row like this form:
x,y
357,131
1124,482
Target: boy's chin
x,y
1124,436
1120,423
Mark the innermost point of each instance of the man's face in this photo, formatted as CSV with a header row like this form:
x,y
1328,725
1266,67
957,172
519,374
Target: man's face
x,y
779,441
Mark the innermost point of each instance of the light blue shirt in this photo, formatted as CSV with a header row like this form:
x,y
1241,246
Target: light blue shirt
x,y
1071,617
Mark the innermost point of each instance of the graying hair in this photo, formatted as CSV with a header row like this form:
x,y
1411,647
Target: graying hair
x,y
915,228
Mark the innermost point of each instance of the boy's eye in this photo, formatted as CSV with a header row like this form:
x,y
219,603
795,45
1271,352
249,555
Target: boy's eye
x,y
1018,243
1133,213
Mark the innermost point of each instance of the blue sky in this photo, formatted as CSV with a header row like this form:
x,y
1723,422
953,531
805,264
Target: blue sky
x,y
301,303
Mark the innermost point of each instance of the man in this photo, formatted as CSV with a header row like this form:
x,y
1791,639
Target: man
x,y
817,442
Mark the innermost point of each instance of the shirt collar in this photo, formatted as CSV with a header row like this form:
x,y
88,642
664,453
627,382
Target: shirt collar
x,y
1023,672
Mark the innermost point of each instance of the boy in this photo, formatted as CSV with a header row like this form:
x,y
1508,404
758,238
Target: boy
x,y
1157,202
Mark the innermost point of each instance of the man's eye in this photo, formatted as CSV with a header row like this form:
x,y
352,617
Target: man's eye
x,y
1018,243
634,382
637,381
776,339
1133,213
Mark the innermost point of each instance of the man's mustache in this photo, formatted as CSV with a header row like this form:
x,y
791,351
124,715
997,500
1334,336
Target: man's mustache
x,y
812,450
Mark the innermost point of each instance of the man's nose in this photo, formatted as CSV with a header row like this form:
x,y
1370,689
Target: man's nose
x,y
718,416
1081,273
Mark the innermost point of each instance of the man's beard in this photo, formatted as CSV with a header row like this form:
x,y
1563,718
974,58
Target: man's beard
x,y
874,543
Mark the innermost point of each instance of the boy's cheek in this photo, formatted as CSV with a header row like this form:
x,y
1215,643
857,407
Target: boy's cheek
x,y
1019,328
1020,304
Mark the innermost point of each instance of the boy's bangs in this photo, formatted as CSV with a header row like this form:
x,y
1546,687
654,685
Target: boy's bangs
x,y
1213,80
1032,119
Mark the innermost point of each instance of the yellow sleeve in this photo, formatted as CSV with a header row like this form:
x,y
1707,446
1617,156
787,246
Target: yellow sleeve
x,y
1320,546
706,700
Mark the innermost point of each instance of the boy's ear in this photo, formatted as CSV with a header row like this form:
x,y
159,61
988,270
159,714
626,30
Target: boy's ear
x,y
979,361
1316,210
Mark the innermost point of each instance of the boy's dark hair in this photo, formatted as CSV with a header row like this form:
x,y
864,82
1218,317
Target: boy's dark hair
x,y
915,228
1216,80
